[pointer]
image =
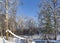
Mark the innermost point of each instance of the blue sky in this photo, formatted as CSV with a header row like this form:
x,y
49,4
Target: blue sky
x,y
29,8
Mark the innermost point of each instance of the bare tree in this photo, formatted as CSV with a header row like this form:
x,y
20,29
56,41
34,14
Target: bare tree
x,y
2,15
48,17
12,14
31,26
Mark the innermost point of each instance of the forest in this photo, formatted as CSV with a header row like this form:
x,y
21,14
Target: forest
x,y
48,19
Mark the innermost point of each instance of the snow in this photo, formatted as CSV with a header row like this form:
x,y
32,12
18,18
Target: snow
x,y
14,40
58,37
33,42
1,40
15,35
17,40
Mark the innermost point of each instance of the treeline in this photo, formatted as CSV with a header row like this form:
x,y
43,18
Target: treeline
x,y
21,26
26,26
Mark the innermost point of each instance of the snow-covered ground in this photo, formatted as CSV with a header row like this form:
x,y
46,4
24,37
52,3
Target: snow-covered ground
x,y
58,37
2,40
11,40
16,40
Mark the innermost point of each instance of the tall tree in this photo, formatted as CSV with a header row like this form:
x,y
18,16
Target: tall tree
x,y
2,15
12,14
12,8
48,17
